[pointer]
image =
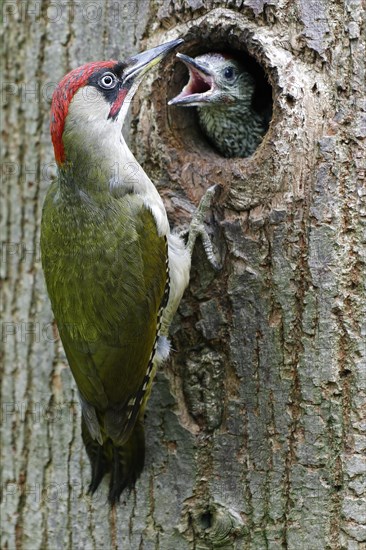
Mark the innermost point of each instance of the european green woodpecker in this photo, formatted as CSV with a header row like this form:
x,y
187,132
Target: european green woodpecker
x,y
114,272
222,90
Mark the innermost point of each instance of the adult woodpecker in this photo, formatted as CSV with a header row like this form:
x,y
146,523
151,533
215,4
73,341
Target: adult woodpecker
x,y
114,272
222,90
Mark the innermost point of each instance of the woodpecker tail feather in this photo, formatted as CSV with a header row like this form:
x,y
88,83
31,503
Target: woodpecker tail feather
x,y
128,463
124,462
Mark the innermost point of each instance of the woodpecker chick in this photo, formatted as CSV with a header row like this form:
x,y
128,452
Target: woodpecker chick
x,y
222,90
114,273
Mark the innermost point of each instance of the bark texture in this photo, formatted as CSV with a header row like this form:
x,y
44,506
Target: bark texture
x,y
256,428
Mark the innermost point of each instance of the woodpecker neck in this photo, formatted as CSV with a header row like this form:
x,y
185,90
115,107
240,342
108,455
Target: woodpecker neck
x,y
94,149
99,165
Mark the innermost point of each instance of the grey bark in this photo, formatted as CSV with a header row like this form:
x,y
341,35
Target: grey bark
x,y
256,428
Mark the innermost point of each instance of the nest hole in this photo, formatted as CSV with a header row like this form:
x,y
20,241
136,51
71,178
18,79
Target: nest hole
x,y
206,520
183,122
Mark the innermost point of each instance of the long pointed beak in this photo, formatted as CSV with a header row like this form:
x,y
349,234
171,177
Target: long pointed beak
x,y
139,64
200,86
190,62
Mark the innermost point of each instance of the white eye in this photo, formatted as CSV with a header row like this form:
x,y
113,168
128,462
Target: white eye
x,y
108,81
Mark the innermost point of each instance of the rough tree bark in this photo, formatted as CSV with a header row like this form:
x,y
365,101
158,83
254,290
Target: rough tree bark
x,y
256,429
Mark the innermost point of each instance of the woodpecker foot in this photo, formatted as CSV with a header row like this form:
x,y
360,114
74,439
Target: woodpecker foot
x,y
197,228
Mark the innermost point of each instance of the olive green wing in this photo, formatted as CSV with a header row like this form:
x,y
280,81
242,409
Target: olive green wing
x,y
106,280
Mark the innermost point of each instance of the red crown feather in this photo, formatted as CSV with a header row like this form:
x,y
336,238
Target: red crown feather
x,y
62,97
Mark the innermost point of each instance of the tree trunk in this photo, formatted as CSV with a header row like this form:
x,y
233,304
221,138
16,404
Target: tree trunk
x,y
256,429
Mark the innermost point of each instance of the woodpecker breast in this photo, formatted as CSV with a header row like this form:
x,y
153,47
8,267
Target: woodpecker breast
x,y
235,131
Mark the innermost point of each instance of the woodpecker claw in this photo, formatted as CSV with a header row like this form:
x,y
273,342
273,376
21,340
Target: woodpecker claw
x,y
197,228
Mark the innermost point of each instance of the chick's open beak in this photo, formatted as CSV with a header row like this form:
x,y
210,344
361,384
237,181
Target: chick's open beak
x,y
200,85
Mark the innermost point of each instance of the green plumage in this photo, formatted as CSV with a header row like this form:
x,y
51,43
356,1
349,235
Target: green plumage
x,y
104,243
106,273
